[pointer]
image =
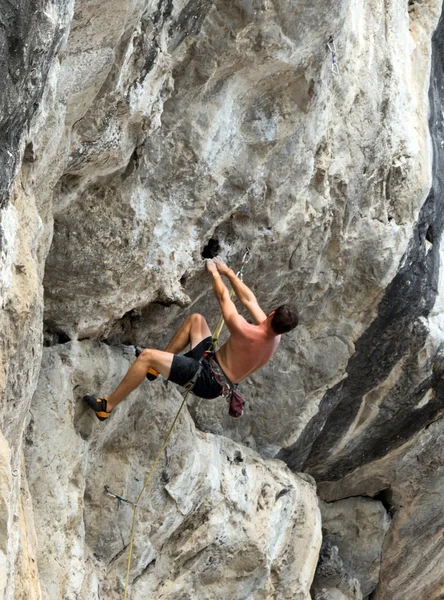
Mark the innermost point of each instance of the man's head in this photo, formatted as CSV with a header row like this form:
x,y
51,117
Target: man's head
x,y
284,318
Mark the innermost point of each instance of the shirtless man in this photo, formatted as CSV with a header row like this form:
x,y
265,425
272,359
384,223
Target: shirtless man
x,y
247,349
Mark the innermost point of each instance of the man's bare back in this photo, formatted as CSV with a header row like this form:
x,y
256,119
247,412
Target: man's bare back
x,y
248,348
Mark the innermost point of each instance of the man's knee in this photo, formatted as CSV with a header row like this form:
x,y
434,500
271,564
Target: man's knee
x,y
196,319
145,356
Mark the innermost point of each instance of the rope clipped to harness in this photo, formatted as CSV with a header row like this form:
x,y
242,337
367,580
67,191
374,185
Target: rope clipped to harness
x,y
189,387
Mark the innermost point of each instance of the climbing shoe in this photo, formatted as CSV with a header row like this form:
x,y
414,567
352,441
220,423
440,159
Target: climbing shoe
x,y
152,373
98,405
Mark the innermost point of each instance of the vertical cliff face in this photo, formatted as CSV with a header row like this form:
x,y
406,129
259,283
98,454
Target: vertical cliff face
x,y
396,378
136,136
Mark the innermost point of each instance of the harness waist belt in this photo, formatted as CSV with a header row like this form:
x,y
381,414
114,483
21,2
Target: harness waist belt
x,y
219,375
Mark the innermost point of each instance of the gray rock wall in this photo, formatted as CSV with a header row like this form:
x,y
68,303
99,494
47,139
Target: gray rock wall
x,y
132,134
217,521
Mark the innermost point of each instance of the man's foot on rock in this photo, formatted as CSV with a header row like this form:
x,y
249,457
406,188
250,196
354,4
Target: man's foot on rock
x,y
99,406
152,373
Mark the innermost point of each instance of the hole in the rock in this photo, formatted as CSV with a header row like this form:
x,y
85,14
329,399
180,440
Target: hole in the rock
x,y
69,183
211,249
133,164
53,336
183,280
29,154
163,12
134,316
386,499
238,458
164,302
282,492
150,59
429,234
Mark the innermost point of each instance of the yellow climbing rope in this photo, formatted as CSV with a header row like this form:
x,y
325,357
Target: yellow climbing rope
x,y
215,338
148,477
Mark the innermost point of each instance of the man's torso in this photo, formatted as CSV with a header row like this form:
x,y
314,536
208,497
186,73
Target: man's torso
x,y
248,349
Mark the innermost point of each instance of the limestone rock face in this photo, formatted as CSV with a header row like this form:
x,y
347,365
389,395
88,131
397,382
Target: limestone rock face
x,y
332,581
409,479
137,137
357,528
216,520
225,121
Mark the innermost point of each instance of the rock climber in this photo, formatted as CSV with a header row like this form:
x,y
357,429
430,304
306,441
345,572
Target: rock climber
x,y
247,349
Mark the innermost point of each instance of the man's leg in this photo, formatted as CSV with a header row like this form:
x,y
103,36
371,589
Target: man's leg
x,y
156,359
193,331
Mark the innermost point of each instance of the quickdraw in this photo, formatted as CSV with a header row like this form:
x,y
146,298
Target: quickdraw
x,y
332,47
117,497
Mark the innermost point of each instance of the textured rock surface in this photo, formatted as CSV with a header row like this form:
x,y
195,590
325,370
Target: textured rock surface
x,y
216,522
357,527
370,422
410,481
248,137
396,371
332,581
132,133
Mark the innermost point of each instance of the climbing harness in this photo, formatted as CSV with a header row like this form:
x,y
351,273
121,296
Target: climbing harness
x,y
332,47
229,390
189,387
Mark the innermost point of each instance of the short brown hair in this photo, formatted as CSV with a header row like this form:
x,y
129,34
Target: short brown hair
x,y
285,318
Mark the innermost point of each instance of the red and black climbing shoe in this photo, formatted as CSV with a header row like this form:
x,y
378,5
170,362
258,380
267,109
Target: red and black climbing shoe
x,y
98,405
152,373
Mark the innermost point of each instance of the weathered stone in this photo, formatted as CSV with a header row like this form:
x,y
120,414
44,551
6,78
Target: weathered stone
x,y
147,131
246,109
357,527
217,521
5,509
395,373
30,36
332,581
409,480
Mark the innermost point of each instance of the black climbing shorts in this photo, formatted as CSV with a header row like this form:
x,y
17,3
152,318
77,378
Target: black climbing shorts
x,y
184,367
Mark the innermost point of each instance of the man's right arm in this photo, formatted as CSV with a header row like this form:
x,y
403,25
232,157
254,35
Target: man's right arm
x,y
243,292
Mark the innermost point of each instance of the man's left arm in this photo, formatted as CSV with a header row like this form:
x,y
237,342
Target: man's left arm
x,y
228,308
245,295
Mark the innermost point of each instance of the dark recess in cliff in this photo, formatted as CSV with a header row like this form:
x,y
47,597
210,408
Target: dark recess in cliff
x,y
396,333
